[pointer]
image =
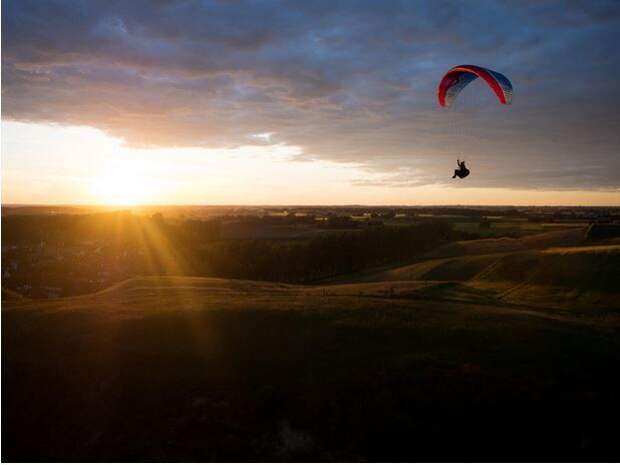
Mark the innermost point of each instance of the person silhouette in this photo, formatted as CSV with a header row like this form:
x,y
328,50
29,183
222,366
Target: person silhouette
x,y
462,172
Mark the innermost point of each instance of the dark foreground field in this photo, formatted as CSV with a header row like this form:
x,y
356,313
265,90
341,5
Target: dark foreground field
x,y
459,363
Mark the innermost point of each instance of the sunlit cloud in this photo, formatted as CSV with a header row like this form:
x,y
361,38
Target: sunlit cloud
x,y
48,165
263,136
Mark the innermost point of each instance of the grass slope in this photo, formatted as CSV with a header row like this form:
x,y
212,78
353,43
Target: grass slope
x,y
562,238
539,270
203,369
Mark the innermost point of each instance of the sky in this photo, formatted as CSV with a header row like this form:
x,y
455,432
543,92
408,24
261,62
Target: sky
x,y
307,102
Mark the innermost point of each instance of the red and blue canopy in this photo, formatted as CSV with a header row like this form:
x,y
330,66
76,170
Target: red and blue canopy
x,y
458,77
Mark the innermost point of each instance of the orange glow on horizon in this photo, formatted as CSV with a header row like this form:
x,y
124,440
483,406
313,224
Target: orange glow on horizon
x,y
56,165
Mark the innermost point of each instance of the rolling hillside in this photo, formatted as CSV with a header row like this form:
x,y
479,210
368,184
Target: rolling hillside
x,y
157,368
561,238
541,271
456,357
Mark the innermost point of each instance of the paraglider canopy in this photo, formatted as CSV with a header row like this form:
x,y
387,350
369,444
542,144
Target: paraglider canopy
x,y
459,77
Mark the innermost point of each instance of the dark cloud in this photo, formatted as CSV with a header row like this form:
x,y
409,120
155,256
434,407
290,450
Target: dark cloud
x,y
349,81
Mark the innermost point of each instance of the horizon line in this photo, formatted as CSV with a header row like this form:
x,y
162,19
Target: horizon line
x,y
128,207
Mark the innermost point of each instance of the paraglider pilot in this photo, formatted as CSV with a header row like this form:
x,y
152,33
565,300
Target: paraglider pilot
x,y
462,172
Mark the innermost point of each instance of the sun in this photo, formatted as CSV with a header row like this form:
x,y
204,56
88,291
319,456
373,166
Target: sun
x,y
122,187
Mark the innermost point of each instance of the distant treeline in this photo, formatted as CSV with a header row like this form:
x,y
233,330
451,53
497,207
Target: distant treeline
x,y
81,253
602,231
323,256
121,227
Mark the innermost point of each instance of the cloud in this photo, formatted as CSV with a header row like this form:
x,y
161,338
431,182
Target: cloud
x,y
347,81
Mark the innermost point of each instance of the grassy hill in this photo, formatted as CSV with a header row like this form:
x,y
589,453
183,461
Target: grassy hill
x,y
509,349
561,238
558,270
201,369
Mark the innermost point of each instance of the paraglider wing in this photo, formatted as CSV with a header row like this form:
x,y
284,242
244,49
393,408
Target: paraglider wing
x,y
459,77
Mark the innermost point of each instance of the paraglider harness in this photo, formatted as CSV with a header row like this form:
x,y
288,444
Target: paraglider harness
x,y
462,172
